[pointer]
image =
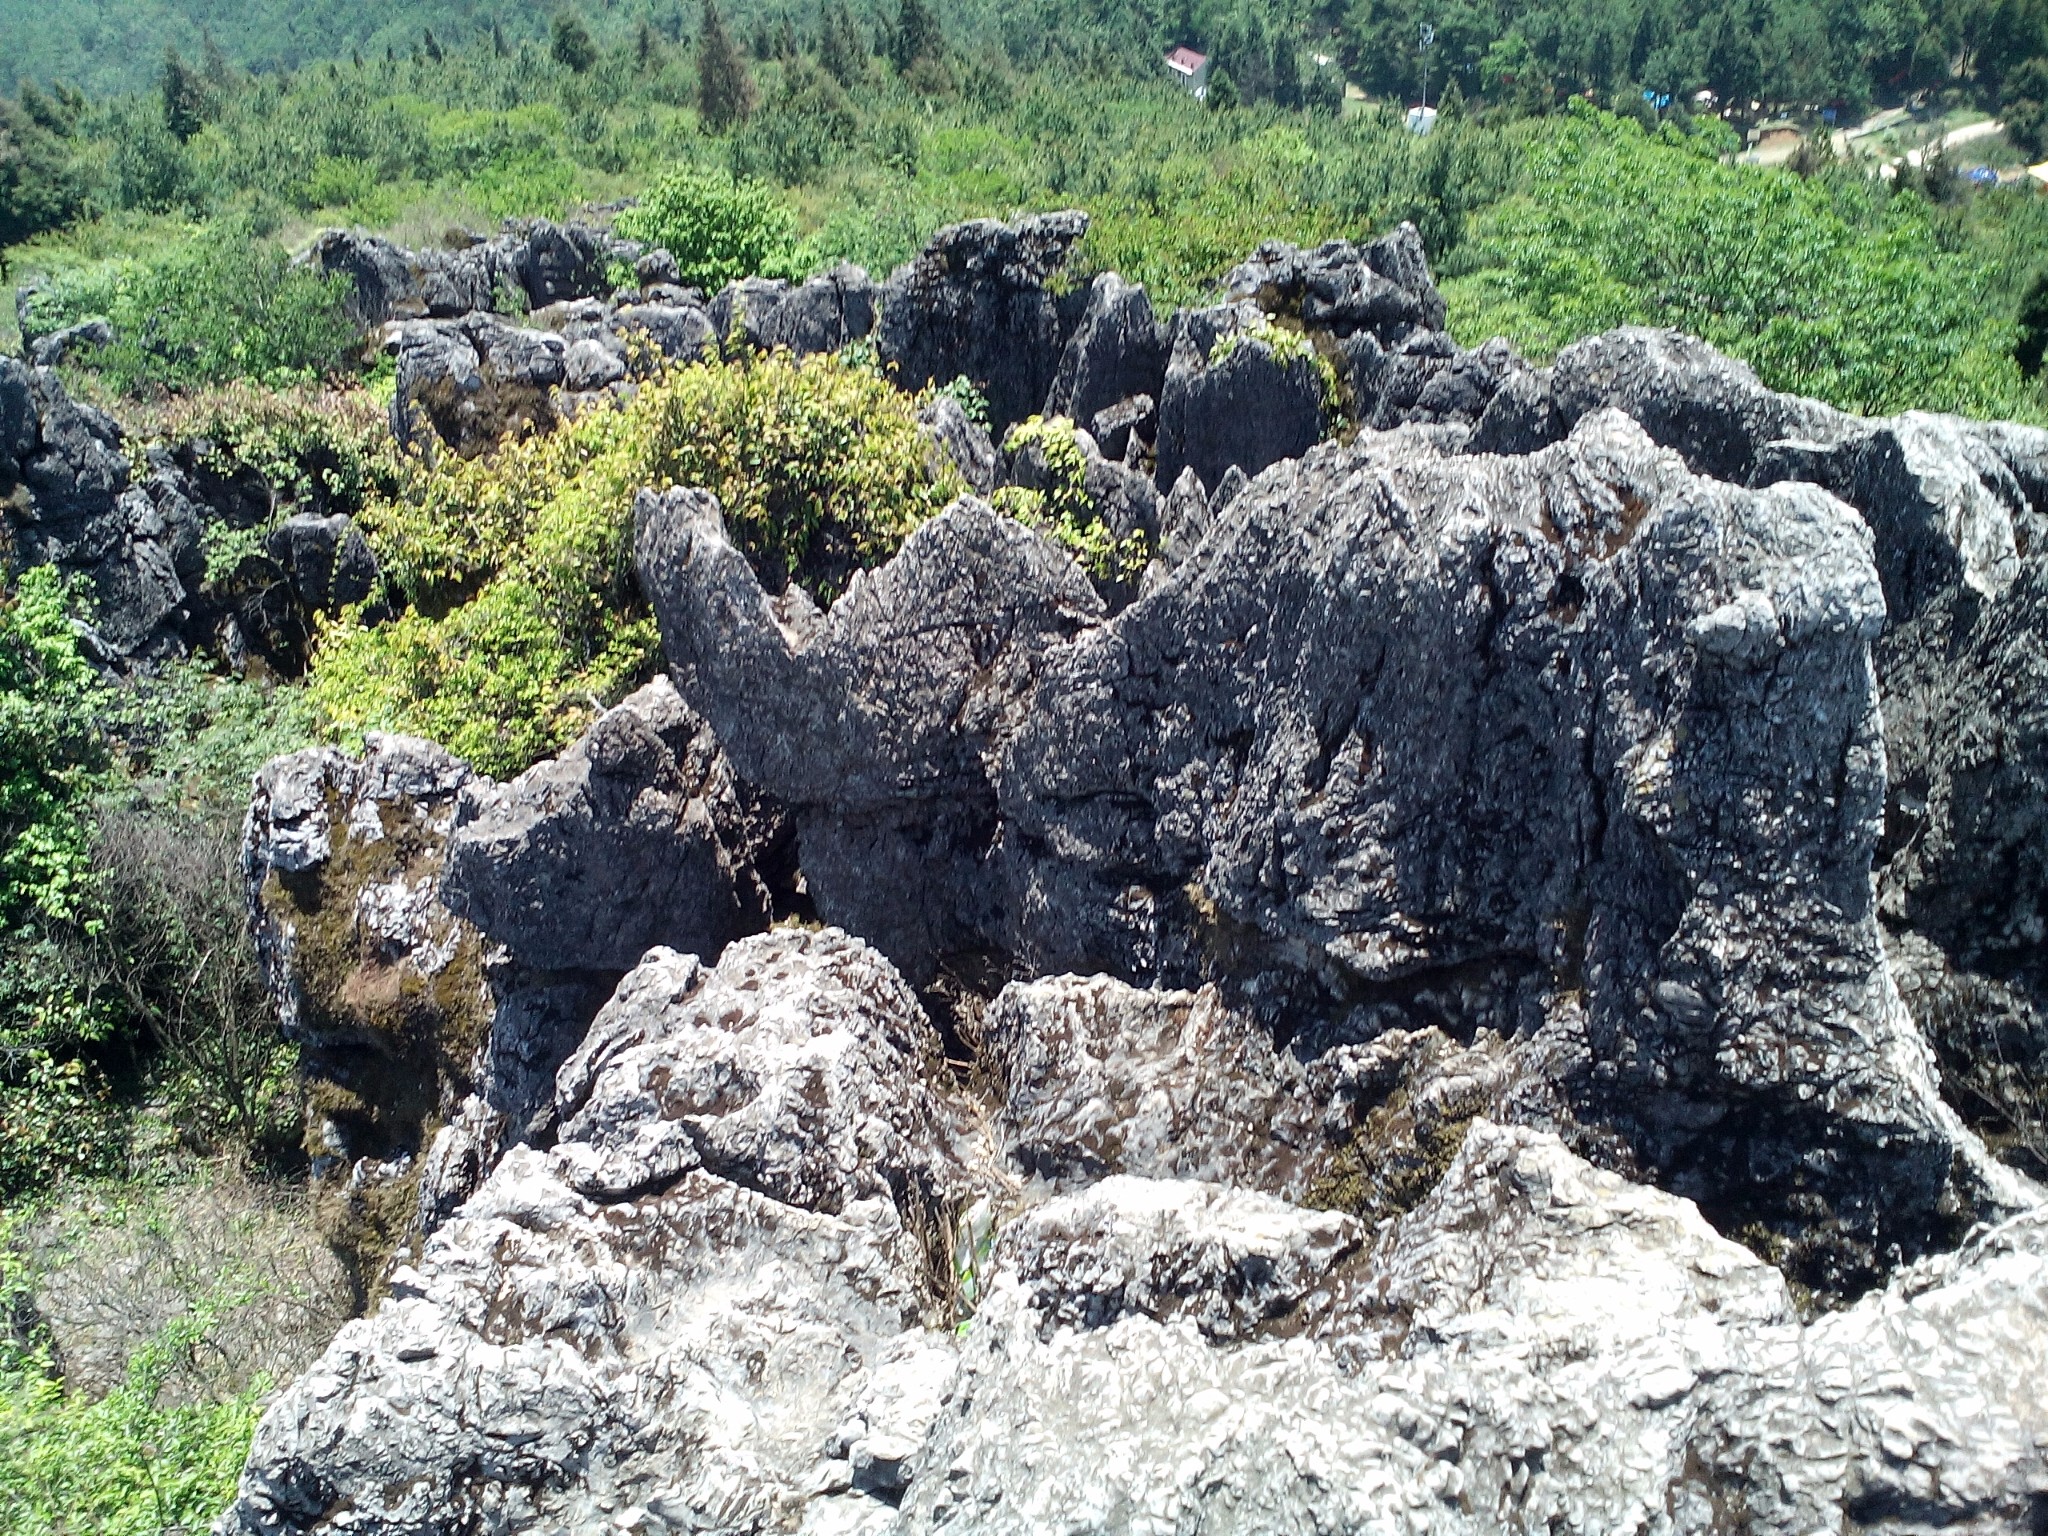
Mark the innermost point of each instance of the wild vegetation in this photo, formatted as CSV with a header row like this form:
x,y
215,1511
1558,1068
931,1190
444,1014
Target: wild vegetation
x,y
160,161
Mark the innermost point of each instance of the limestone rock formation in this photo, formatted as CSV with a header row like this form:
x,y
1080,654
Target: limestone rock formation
x,y
636,836
1463,1000
413,920
974,303
724,1300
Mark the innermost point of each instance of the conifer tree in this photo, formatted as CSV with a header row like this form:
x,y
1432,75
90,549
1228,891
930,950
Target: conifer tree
x,y
573,45
184,101
725,91
432,45
498,39
841,50
917,34
646,47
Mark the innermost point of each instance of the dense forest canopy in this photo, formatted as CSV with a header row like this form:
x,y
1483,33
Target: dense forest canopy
x,y
1800,52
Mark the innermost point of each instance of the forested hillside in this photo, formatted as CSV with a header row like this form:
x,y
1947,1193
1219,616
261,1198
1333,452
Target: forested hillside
x,y
165,166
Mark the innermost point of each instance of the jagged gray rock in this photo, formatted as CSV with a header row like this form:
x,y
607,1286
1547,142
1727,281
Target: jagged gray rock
x,y
635,836
328,559
704,1303
965,443
431,1041
824,314
1117,351
64,345
474,380
1237,397
974,304
712,1304
944,636
1400,715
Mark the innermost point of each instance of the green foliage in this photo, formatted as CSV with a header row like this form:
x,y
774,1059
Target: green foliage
x,y
523,615
128,1463
725,91
572,46
2032,346
1061,507
717,227
123,948
1829,286
42,185
220,306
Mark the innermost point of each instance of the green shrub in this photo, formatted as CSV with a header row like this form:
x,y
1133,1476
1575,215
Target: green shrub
x,y
127,1463
523,616
1062,508
224,305
1827,285
718,228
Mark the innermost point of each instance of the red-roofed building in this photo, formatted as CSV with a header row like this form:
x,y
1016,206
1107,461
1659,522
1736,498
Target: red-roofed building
x,y
1193,69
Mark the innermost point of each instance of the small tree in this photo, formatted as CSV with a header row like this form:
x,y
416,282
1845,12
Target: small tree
x,y
2032,347
184,98
1222,90
841,49
725,91
431,45
573,45
646,47
917,35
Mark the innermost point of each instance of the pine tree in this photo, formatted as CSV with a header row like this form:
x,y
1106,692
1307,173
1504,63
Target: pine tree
x,y
917,35
646,47
725,91
498,39
785,40
213,63
841,49
432,46
184,102
573,45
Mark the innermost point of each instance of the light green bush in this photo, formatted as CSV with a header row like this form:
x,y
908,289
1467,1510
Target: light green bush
x,y
717,227
523,615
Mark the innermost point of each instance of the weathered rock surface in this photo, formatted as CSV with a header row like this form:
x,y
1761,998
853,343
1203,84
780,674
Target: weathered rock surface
x,y
533,264
712,1304
974,303
636,836
405,917
893,802
1586,779
1401,718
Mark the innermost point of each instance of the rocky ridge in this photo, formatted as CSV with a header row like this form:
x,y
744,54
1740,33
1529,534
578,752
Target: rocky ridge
x,y
1497,986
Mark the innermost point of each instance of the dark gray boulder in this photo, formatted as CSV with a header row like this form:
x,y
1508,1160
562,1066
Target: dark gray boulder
x,y
327,559
681,333
964,443
1118,351
1711,409
474,380
1520,418
974,303
382,282
20,423
743,307
1382,287
636,836
1243,400
822,315
1126,430
561,261
1428,380
65,345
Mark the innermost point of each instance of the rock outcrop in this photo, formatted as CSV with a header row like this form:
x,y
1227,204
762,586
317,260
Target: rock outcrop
x,y
1463,999
974,304
413,923
725,1299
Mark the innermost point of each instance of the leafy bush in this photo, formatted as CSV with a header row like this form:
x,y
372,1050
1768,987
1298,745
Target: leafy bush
x,y
1061,507
125,966
717,227
42,185
221,306
1828,286
524,618
126,1463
